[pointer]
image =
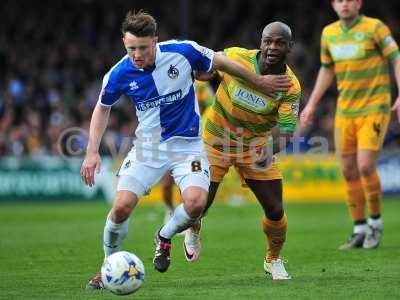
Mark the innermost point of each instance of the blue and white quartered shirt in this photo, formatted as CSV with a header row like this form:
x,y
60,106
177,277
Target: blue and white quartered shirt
x,y
163,94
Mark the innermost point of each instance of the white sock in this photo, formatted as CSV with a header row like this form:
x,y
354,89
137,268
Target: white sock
x,y
362,228
114,234
169,212
179,222
375,223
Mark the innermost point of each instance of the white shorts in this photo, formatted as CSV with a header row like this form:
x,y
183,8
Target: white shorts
x,y
143,167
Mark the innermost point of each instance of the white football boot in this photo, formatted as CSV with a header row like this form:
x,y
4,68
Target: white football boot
x,y
374,235
276,268
192,244
372,238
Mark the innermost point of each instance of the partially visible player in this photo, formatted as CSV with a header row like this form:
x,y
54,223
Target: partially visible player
x,y
244,128
356,50
205,96
157,77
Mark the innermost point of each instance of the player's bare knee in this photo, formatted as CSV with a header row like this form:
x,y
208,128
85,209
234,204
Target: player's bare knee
x,y
120,213
349,167
194,203
194,207
350,173
122,208
366,169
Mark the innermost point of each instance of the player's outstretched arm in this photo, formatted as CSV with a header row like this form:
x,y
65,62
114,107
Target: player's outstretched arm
x,y
324,80
205,76
396,67
92,160
267,84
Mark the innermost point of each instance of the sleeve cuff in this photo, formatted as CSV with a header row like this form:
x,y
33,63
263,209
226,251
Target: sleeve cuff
x,y
105,105
393,55
212,62
287,128
327,65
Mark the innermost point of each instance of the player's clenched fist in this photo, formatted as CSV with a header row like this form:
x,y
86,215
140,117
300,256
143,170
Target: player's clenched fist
x,y
271,84
307,115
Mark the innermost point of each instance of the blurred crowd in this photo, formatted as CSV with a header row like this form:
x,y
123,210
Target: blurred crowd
x,y
53,55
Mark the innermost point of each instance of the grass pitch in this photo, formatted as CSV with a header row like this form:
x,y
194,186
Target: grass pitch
x,y
50,250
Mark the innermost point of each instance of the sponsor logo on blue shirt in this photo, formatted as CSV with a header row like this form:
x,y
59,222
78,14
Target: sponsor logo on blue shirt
x,y
159,100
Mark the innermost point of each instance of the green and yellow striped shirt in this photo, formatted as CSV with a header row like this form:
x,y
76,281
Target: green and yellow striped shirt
x,y
241,115
359,55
